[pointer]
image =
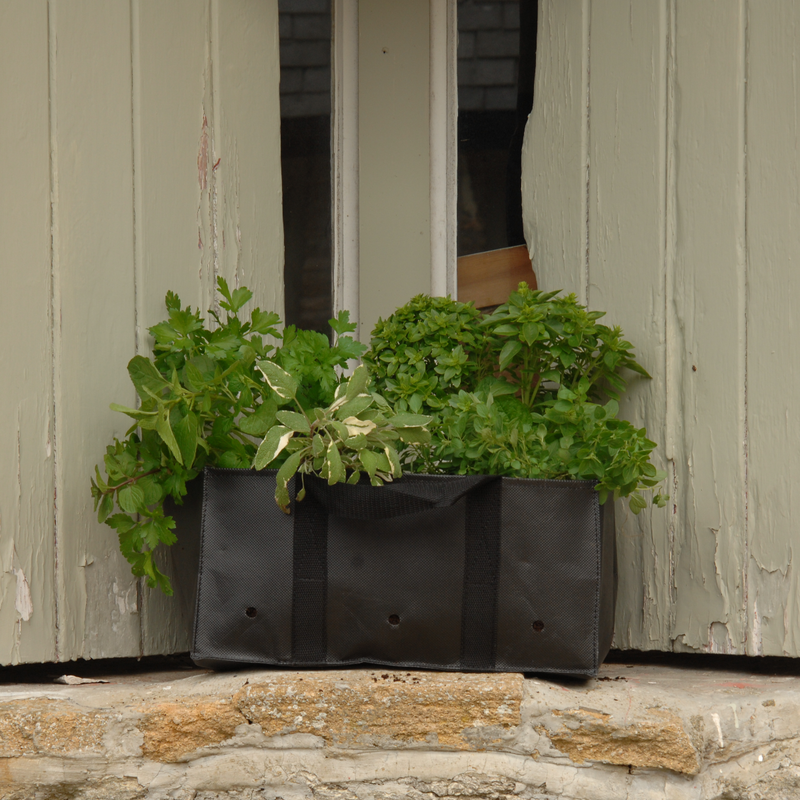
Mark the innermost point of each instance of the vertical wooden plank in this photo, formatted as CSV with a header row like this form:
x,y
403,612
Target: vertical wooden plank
x,y
627,176
773,330
247,148
206,106
707,341
171,57
170,76
394,168
94,308
27,559
553,167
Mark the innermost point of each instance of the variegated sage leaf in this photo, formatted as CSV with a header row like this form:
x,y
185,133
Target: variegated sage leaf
x,y
356,426
285,474
369,461
394,460
294,421
276,439
317,445
357,383
355,407
280,381
335,468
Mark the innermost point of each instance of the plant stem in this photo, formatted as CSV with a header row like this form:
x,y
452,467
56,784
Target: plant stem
x,y
112,489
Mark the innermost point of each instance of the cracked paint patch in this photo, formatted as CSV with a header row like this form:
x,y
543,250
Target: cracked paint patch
x,y
22,601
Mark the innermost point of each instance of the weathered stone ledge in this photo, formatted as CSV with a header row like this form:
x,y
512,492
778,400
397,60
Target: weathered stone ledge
x,y
639,732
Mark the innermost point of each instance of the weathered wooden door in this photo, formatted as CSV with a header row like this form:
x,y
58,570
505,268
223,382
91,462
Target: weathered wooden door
x,y
141,142
660,184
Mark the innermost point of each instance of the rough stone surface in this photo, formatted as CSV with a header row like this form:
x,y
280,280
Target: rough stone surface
x,y
394,708
658,740
639,732
35,726
171,730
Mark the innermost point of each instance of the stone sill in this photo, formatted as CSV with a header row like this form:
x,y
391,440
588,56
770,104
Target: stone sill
x,y
639,731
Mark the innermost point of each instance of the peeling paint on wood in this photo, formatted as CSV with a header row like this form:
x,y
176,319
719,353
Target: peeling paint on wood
x,y
27,557
22,601
773,338
693,198
102,108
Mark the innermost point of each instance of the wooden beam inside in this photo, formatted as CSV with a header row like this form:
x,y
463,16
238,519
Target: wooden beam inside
x,y
487,279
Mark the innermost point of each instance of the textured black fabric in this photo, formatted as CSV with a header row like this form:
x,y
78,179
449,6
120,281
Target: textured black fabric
x,y
481,566
526,586
409,495
409,570
550,575
245,563
310,579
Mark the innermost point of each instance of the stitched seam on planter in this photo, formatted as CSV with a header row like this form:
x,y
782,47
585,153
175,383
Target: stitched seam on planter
x,y
200,565
598,549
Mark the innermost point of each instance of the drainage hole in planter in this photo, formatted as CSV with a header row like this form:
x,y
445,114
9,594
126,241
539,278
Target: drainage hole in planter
x,y
251,612
394,619
538,626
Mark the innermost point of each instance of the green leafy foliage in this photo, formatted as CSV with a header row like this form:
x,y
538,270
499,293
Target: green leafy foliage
x,y
357,434
205,399
425,351
538,338
533,393
529,390
308,357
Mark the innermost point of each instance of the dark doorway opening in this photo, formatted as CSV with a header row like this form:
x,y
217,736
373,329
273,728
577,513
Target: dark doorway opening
x,y
496,63
305,46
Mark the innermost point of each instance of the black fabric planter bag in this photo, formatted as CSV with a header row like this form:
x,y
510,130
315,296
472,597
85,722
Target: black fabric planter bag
x,y
439,572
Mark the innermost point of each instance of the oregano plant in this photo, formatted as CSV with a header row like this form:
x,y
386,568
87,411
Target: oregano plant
x,y
533,393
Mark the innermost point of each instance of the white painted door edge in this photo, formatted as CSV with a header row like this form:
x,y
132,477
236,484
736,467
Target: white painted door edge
x,y
443,145
344,150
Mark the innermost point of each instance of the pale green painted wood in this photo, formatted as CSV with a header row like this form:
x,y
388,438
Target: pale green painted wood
x,y
554,175
706,342
693,198
103,108
394,166
98,604
172,168
626,266
249,147
773,331
27,549
209,161
170,74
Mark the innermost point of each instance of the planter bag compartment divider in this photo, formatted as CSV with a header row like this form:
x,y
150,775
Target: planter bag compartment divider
x,y
439,572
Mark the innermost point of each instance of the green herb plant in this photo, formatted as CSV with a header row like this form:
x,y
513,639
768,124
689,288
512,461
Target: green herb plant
x,y
536,397
355,434
425,351
204,400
